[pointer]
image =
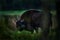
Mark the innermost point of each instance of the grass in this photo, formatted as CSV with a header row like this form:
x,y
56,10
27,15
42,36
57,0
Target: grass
x,y
26,35
23,35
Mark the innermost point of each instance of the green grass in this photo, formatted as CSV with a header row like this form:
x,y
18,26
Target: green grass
x,y
26,35
23,35
17,35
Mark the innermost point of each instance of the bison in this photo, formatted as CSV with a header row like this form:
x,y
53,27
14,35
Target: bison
x,y
33,19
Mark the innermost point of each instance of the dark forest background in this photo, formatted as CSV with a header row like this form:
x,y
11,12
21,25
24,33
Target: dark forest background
x,y
26,4
8,5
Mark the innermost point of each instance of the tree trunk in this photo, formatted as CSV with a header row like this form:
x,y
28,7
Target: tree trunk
x,y
46,19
